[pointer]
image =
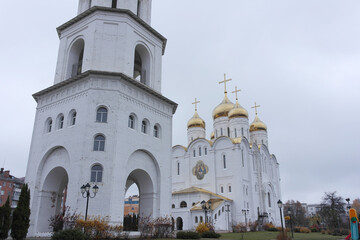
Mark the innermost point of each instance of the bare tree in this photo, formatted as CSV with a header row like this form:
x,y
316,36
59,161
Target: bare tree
x,y
332,207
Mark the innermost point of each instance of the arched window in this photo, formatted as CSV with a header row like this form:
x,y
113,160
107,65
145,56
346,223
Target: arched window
x,y
183,204
219,212
114,4
48,125
193,204
215,216
229,188
242,158
269,199
173,206
99,143
205,151
143,126
131,122
96,173
75,59
156,131
138,8
141,64
242,131
222,209
221,131
72,117
60,121
196,219
235,133
201,219
224,161
194,153
222,189
101,115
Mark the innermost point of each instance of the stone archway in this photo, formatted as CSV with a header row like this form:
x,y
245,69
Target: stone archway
x,y
146,191
51,197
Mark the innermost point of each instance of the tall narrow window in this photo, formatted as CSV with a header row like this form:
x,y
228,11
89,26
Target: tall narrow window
x,y
235,133
156,131
221,131
229,188
99,143
142,64
73,118
242,132
114,4
96,173
269,199
61,122
228,131
242,158
49,126
199,151
201,219
196,219
138,8
205,151
194,153
178,168
222,189
131,122
143,126
224,161
75,59
101,115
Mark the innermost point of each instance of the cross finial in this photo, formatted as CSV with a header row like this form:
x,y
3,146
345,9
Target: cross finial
x,y
236,91
196,102
225,80
256,106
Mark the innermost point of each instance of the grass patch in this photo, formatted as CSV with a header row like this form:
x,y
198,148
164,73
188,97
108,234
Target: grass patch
x,y
272,236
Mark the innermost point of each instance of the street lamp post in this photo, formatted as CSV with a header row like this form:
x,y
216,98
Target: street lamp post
x,y
85,192
348,208
280,205
206,208
245,211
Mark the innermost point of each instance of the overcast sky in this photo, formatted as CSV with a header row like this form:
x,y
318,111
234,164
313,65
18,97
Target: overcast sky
x,y
300,60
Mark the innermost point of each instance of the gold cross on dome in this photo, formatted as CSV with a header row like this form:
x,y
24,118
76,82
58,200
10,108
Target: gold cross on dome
x,y
256,106
225,80
196,102
236,91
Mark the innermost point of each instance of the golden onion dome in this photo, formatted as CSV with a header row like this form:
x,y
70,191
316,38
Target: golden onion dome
x,y
212,135
238,111
222,110
257,125
196,121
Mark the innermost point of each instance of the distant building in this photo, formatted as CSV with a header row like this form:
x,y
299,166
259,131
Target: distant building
x,y
131,205
10,186
312,209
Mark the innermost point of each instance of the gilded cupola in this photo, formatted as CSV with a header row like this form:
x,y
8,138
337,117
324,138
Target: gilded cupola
x,y
196,121
238,110
257,124
223,109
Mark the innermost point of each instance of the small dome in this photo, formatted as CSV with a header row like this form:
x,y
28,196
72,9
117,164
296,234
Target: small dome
x,y
196,121
257,125
238,111
222,110
212,135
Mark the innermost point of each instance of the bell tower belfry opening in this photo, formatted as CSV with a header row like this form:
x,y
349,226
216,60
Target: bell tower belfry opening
x,y
115,124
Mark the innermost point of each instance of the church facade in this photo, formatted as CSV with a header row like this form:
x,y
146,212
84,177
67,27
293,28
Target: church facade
x,y
229,179
104,120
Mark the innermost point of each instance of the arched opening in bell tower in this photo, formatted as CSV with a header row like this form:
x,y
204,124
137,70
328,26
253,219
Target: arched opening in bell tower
x,y
52,198
139,205
75,59
142,64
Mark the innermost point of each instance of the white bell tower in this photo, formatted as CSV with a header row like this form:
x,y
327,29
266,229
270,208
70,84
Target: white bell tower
x,y
104,121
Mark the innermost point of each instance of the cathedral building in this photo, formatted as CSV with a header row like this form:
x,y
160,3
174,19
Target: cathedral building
x,y
231,178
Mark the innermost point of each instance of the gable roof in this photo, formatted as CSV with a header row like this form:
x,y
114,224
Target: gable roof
x,y
200,190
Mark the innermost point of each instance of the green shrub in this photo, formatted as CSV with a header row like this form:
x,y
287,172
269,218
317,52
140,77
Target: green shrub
x,y
21,215
210,235
314,230
69,234
188,235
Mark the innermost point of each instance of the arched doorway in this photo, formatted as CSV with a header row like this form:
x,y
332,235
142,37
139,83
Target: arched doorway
x,y
131,208
52,197
179,223
146,191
